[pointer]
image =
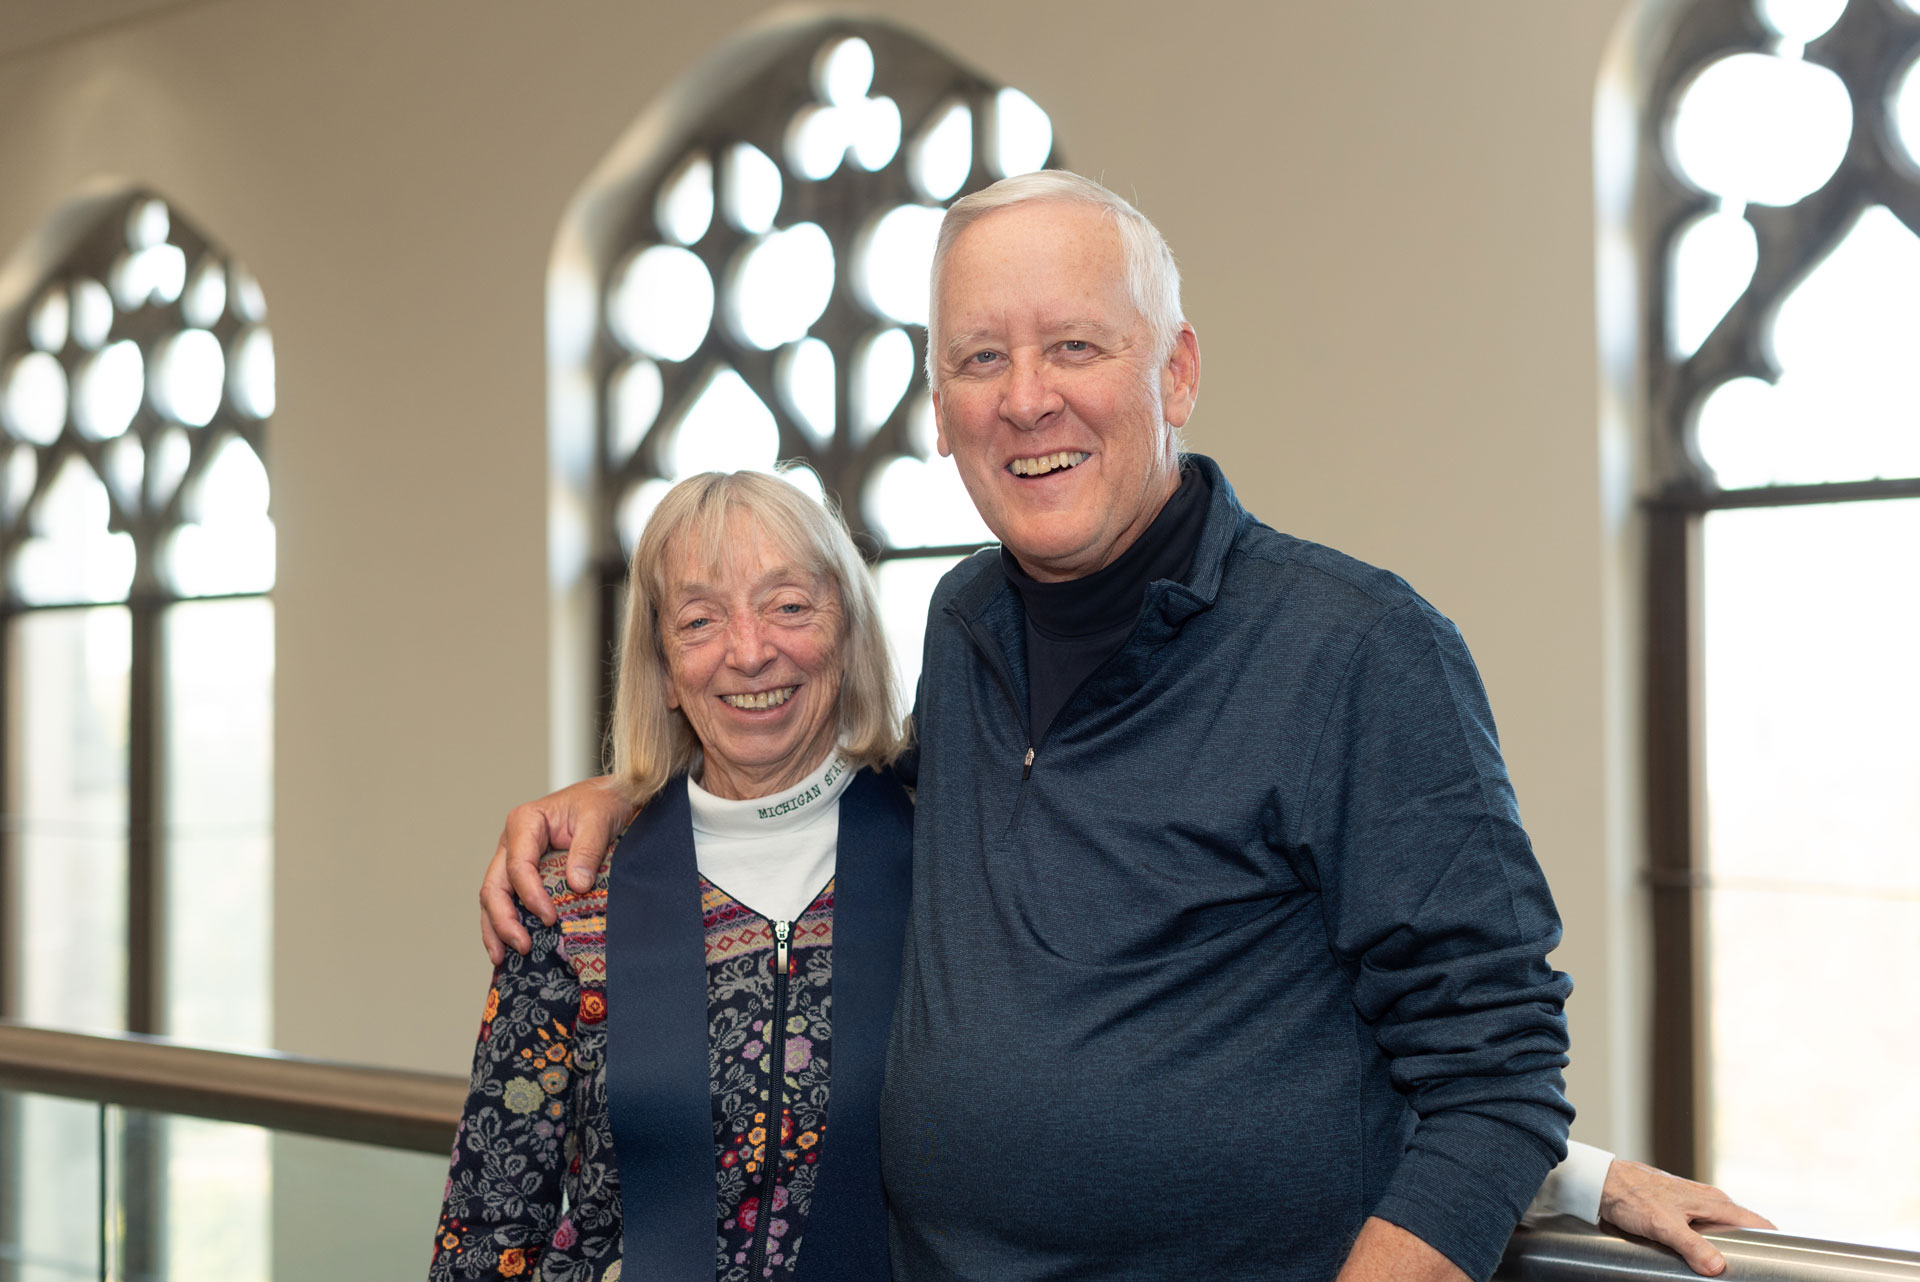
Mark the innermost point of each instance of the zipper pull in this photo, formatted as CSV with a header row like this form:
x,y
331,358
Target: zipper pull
x,y
781,931
1026,767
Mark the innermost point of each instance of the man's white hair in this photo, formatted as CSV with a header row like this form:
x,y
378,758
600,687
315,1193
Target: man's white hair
x,y
1153,278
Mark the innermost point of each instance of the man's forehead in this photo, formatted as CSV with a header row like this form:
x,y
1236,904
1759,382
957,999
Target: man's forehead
x,y
1004,264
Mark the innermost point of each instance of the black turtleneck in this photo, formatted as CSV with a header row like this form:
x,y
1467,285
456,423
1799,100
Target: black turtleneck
x,y
1074,626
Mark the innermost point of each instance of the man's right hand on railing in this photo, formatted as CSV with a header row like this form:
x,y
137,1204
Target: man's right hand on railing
x,y
1650,1203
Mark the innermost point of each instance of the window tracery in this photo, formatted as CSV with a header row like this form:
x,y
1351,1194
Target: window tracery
x,y
1778,210
136,398
767,306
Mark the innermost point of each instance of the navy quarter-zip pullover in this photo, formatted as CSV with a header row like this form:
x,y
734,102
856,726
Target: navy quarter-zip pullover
x,y
1248,947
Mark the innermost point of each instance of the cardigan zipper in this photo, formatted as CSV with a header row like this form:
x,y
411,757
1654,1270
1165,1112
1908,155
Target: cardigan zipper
x,y
776,1098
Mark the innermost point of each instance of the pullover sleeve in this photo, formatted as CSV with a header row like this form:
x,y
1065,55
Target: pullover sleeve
x,y
503,1196
1434,901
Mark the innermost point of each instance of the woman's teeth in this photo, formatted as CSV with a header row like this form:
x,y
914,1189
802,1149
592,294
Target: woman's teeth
x,y
1047,463
765,699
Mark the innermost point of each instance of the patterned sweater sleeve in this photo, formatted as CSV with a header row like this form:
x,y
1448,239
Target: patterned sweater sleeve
x,y
503,1196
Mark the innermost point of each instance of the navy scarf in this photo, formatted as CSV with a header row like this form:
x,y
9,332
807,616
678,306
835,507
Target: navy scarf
x,y
658,1086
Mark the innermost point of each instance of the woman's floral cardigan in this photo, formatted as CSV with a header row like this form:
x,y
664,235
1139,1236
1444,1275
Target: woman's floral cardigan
x,y
537,1126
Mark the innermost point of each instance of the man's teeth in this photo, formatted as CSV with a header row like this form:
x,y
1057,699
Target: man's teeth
x,y
765,699
1047,463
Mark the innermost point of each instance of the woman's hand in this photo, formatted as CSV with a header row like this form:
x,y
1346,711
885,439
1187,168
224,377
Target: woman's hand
x,y
584,818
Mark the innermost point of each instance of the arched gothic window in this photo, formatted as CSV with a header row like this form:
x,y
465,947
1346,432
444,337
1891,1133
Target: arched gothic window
x,y
764,300
136,389
136,638
1778,207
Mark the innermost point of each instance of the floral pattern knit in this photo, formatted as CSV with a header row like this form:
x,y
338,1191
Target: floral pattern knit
x,y
533,1192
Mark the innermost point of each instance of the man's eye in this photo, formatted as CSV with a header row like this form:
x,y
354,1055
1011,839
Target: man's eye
x,y
1075,344
983,358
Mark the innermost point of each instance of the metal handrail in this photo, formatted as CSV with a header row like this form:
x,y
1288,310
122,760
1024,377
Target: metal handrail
x,y
394,1108
1559,1248
389,1107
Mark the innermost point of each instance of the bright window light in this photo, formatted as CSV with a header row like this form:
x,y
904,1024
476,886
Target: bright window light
x,y
1713,260
1800,20
661,303
189,372
685,208
633,403
107,390
73,557
229,544
727,429
942,157
1022,134
752,188
92,313
882,372
636,505
805,375
893,261
250,372
206,295
47,324
804,479
148,224
1906,111
781,285
33,398
923,504
875,128
1753,128
843,71
817,140
126,465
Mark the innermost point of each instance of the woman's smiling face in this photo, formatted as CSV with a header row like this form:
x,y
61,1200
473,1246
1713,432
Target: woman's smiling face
x,y
752,646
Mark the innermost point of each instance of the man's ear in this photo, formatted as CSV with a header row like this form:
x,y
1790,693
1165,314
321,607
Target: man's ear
x,y
1180,378
940,428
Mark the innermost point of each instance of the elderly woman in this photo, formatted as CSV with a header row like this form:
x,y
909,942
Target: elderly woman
x,y
682,1076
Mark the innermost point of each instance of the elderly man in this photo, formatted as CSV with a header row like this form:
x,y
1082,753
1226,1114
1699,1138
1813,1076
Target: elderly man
x,y
1228,952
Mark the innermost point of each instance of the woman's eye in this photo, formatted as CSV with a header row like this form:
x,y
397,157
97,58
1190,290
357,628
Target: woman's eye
x,y
695,624
1075,344
791,607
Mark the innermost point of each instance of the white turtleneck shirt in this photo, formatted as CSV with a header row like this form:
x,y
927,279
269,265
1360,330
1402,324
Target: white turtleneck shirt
x,y
774,854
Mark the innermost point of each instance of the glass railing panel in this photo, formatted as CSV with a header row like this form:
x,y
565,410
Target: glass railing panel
x,y
389,1197
50,1188
92,1191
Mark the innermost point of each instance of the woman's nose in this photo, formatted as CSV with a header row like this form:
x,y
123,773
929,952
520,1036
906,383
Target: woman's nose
x,y
749,647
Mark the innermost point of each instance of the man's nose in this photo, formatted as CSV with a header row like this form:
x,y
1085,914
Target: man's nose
x,y
1030,395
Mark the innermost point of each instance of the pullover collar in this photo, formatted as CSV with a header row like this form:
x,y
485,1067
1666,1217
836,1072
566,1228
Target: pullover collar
x,y
1096,606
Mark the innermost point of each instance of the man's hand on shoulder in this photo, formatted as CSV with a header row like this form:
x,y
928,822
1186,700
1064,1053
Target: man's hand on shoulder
x,y
582,818
1385,1252
1647,1201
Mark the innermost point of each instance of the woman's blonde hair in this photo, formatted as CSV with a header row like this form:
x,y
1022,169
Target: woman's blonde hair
x,y
650,742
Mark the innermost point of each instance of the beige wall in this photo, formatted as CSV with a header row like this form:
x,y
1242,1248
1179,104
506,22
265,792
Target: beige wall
x,y
1384,210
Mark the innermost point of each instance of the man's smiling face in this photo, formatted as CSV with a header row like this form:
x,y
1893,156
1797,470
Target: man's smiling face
x,y
1052,393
